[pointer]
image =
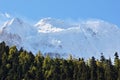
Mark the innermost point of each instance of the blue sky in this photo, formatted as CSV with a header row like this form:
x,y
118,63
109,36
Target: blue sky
x,y
108,10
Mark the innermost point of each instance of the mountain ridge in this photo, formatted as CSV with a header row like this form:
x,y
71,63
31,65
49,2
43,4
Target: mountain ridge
x,y
84,39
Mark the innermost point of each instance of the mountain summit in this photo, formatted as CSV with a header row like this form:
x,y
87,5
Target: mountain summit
x,y
85,39
17,26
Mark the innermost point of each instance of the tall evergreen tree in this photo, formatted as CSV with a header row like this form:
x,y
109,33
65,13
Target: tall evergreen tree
x,y
93,68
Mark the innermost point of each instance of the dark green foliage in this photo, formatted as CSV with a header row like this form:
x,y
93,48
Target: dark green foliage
x,y
93,68
22,65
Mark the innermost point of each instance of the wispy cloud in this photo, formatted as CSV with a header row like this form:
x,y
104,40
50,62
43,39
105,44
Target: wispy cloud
x,y
4,17
7,15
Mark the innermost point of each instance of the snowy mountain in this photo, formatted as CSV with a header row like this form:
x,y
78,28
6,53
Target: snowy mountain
x,y
17,26
84,39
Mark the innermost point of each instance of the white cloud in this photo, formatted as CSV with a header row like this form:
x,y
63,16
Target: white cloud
x,y
7,15
4,17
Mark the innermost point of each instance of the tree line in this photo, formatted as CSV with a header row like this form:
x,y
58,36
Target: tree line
x,y
22,65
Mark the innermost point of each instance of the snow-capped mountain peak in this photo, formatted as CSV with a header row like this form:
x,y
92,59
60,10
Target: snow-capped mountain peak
x,y
54,22
47,25
86,39
17,26
16,21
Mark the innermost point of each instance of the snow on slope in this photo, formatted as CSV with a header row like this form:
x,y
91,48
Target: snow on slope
x,y
47,25
16,32
86,39
17,26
